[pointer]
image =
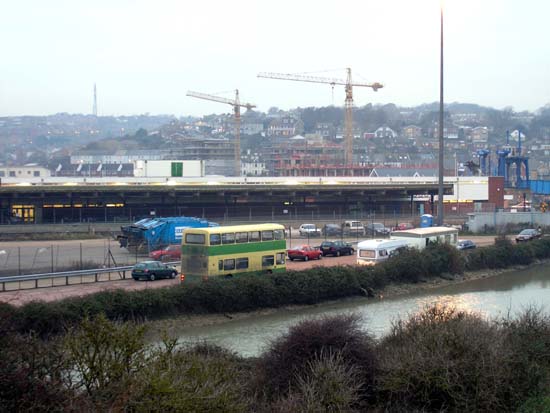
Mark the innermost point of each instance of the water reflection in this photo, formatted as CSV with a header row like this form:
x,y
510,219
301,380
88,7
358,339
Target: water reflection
x,y
500,296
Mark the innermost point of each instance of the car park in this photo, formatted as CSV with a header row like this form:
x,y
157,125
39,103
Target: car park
x,y
465,244
336,248
309,230
528,235
152,270
377,229
304,252
331,230
169,253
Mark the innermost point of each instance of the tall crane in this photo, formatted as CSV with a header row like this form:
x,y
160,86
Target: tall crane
x,y
236,103
348,83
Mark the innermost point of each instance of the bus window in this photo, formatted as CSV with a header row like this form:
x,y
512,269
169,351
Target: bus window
x,y
254,236
279,234
215,239
228,264
242,263
241,237
195,239
220,265
267,235
268,261
228,238
280,258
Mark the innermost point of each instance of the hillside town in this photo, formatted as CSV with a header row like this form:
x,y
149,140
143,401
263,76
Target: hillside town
x,y
387,141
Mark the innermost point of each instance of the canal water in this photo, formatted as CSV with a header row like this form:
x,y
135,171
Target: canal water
x,y
499,296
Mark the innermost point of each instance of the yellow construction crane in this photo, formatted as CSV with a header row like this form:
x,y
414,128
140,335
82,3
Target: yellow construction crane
x,y
348,141
236,103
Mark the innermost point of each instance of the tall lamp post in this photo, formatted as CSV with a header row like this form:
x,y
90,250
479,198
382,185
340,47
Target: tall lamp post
x,y
440,129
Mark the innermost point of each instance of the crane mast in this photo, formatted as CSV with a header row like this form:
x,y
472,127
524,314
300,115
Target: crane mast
x,y
236,103
348,83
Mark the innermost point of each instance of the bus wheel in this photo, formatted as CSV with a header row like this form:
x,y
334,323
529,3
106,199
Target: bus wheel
x,y
228,275
269,272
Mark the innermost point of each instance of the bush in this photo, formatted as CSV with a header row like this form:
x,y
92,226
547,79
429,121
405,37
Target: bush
x,y
326,385
201,379
282,366
444,360
528,335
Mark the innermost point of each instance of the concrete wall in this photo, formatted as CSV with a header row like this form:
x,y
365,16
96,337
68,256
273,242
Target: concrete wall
x,y
477,222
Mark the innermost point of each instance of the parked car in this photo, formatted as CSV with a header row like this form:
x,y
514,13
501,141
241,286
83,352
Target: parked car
x,y
403,226
465,244
151,270
528,235
336,248
309,230
353,228
377,229
304,252
169,253
332,230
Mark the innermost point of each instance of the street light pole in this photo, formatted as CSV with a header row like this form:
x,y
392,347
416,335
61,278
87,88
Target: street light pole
x,y
441,145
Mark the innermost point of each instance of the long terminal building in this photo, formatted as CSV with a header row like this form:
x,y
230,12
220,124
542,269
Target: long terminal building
x,y
98,199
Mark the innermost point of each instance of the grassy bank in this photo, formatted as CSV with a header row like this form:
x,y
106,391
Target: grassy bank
x,y
438,360
252,293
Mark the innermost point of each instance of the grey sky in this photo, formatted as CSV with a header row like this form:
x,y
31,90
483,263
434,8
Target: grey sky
x,y
145,55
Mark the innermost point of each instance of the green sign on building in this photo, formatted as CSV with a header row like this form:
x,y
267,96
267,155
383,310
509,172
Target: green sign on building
x,y
177,168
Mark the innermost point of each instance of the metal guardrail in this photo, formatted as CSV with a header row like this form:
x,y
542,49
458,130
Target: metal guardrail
x,y
67,275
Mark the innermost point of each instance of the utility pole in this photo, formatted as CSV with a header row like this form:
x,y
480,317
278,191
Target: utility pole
x,y
441,126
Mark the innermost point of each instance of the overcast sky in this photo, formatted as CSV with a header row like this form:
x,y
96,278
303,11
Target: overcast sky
x,y
145,55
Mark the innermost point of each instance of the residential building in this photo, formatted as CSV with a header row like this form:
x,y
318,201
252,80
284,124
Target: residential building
x,y
285,126
412,132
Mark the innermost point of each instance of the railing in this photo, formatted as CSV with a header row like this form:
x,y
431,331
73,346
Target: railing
x,y
57,279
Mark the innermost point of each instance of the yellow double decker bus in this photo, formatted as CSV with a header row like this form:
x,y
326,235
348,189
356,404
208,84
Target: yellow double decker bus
x,y
233,250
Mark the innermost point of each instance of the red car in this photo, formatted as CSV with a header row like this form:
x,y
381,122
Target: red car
x,y
169,253
403,226
304,252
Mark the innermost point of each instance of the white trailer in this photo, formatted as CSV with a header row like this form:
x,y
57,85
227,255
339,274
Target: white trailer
x,y
421,237
373,251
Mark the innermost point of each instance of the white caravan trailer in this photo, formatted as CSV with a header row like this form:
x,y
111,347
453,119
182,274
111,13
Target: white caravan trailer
x,y
421,237
373,251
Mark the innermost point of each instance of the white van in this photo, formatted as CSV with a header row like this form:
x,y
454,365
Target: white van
x,y
353,228
373,251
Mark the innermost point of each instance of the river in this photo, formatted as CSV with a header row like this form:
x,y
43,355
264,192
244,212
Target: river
x,y
497,296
